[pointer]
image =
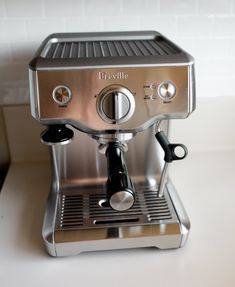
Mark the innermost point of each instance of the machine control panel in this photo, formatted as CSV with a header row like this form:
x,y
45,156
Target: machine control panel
x,y
116,104
124,99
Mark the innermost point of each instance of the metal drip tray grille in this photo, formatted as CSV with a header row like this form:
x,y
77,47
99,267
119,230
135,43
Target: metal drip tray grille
x,y
94,49
90,211
71,211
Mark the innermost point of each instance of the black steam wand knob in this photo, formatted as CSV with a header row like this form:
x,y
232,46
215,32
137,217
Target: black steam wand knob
x,y
172,151
120,190
56,135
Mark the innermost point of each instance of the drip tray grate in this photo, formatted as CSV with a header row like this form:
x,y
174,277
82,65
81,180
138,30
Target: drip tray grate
x,y
89,210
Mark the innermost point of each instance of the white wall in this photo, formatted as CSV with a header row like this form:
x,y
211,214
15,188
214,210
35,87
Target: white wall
x,y
206,28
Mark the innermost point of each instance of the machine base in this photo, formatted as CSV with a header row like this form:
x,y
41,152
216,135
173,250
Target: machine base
x,y
78,221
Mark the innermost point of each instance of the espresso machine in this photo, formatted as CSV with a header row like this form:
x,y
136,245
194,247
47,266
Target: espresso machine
x,y
106,100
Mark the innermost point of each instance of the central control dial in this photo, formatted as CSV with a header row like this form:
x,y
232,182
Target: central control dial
x,y
116,104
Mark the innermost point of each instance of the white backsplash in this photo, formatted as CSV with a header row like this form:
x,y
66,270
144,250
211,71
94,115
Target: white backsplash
x,y
205,28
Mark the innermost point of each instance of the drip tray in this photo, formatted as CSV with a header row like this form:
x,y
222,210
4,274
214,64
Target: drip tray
x,y
90,210
82,221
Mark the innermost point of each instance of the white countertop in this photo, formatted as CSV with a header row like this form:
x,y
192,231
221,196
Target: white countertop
x,y
206,184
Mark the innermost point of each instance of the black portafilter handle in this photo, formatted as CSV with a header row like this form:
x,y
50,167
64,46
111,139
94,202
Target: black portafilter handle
x,y
120,190
56,135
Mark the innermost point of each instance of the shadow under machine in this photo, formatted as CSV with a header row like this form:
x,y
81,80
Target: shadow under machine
x,y
106,100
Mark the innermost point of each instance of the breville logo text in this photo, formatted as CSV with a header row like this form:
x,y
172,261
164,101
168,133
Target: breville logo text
x,y
116,76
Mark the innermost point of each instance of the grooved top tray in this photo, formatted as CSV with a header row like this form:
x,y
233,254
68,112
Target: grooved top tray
x,y
73,48
110,49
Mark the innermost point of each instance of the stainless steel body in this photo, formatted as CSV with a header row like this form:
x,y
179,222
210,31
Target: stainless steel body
x,y
77,218
110,89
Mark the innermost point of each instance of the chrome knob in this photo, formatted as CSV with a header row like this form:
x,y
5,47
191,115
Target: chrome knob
x,y
116,104
167,91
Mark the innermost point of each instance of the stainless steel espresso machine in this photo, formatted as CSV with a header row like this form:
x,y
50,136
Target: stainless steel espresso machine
x,y
106,100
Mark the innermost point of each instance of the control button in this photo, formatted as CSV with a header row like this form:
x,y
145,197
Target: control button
x,y
61,95
167,91
116,104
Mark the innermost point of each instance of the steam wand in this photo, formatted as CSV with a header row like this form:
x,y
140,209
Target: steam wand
x,y
172,152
